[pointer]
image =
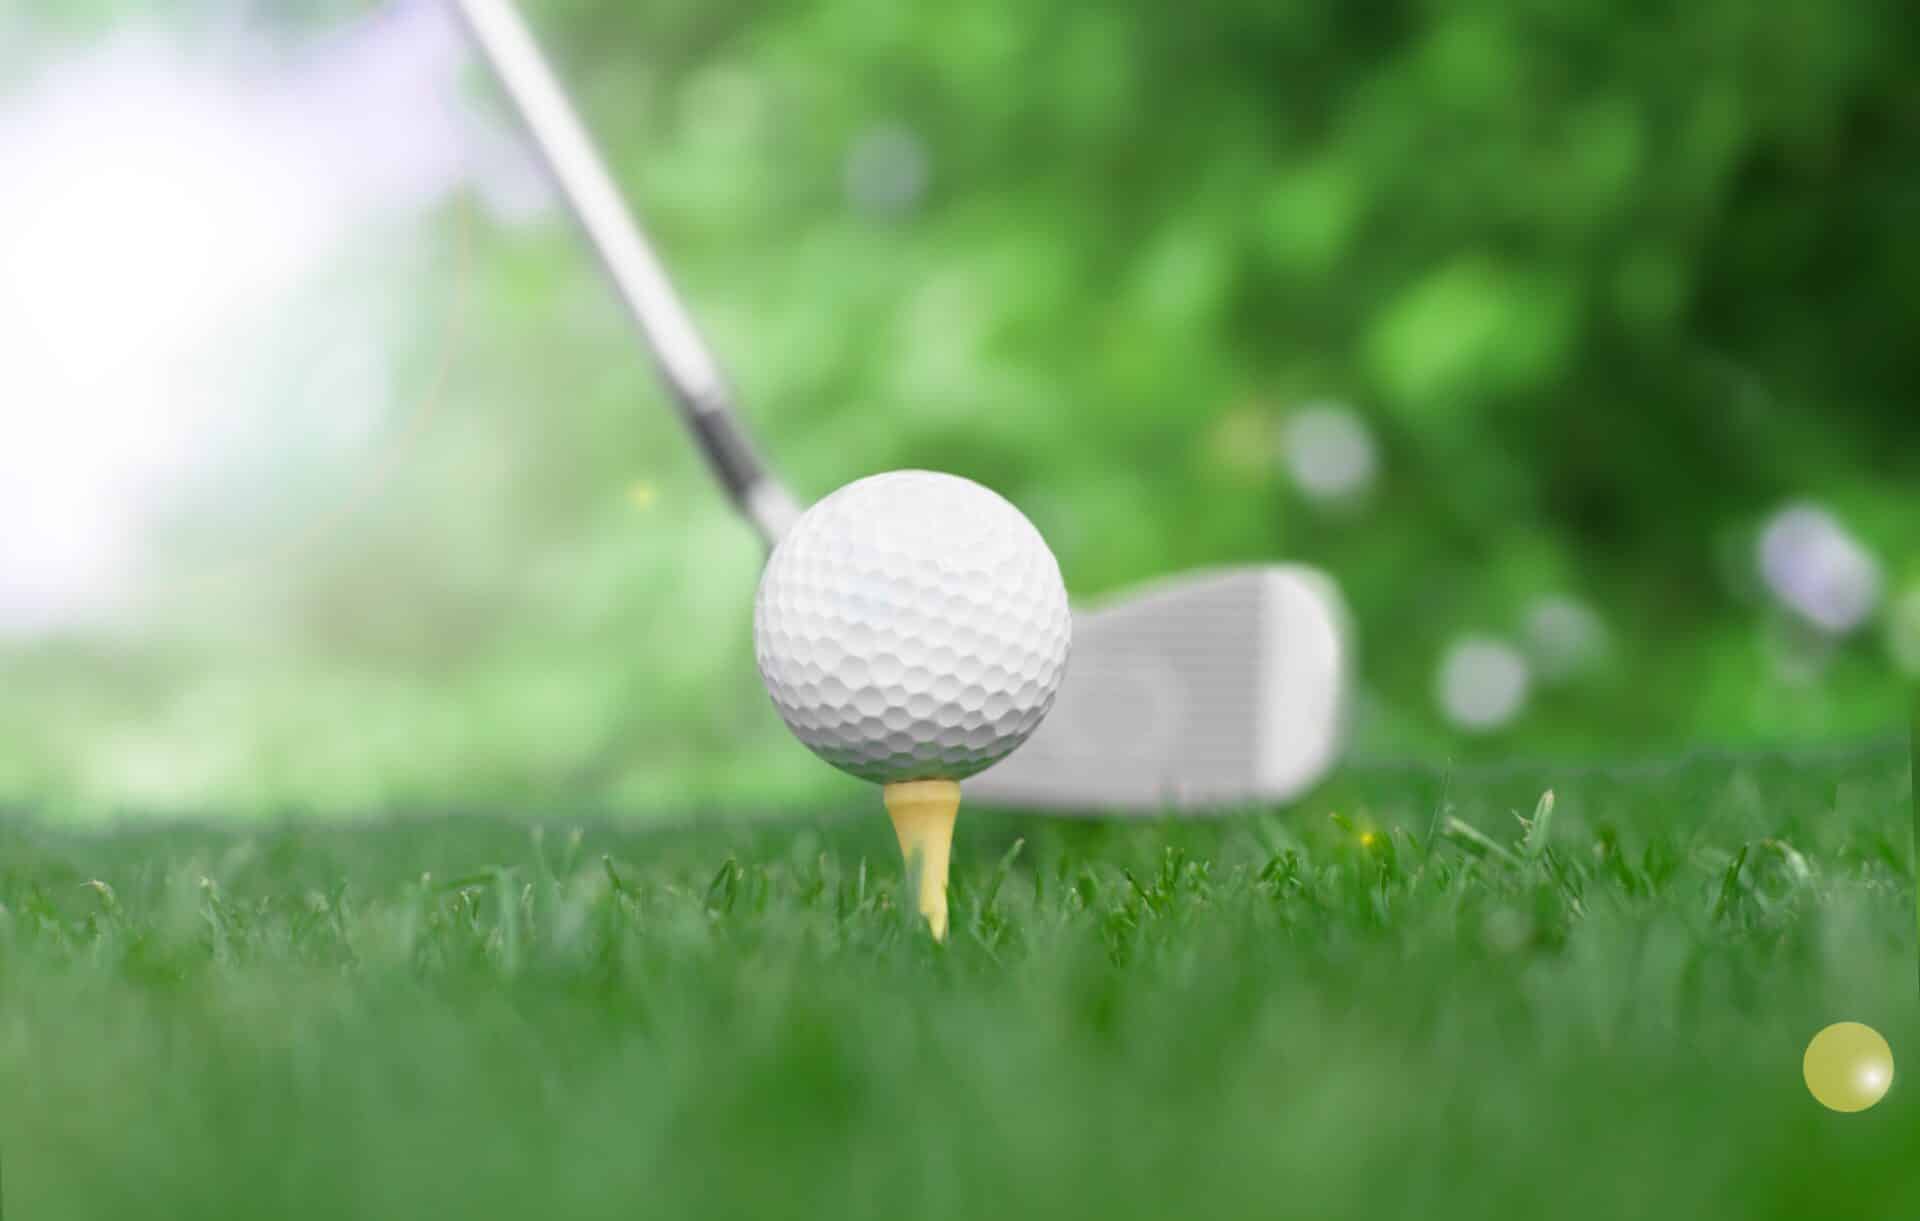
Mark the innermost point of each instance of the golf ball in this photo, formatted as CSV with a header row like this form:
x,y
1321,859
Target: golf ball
x,y
912,626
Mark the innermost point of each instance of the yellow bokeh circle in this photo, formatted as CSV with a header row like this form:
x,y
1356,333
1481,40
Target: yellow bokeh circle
x,y
1848,1067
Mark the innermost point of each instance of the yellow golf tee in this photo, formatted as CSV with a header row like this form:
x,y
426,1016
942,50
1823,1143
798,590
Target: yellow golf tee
x,y
923,812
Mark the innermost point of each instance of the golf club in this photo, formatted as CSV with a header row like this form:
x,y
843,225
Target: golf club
x,y
1204,690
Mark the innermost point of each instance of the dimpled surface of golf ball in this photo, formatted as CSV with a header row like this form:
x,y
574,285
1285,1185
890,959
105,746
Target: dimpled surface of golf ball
x,y
912,626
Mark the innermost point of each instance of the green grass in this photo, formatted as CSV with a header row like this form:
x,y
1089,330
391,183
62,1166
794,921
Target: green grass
x,y
1419,1008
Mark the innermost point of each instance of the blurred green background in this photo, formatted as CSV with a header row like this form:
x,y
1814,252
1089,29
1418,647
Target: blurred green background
x,y
1530,322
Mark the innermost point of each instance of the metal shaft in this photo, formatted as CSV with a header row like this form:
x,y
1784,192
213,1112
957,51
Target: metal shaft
x,y
688,368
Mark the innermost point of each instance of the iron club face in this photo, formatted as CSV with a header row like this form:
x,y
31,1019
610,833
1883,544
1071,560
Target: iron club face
x,y
1211,689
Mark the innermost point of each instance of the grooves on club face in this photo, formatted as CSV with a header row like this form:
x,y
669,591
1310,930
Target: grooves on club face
x,y
1203,691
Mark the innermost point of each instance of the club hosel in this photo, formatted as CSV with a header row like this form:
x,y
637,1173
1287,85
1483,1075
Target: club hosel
x,y
772,509
724,444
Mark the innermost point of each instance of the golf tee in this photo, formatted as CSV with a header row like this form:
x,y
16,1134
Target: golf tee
x,y
923,812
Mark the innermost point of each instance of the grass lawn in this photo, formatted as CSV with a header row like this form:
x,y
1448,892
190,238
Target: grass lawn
x,y
1417,1008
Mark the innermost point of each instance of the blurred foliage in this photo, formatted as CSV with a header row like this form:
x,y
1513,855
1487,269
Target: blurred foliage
x,y
1608,282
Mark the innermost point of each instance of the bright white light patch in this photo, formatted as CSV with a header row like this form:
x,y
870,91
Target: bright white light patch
x,y
1330,453
1483,684
129,227
1817,569
156,207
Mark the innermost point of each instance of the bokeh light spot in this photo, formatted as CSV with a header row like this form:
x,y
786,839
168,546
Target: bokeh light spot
x,y
1483,684
1848,1067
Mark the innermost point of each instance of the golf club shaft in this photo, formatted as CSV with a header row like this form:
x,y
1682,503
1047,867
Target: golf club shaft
x,y
685,364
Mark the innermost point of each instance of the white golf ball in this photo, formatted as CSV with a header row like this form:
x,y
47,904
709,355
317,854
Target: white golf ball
x,y
912,626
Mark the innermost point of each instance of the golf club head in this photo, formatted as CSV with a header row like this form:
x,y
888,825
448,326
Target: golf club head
x,y
1202,691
